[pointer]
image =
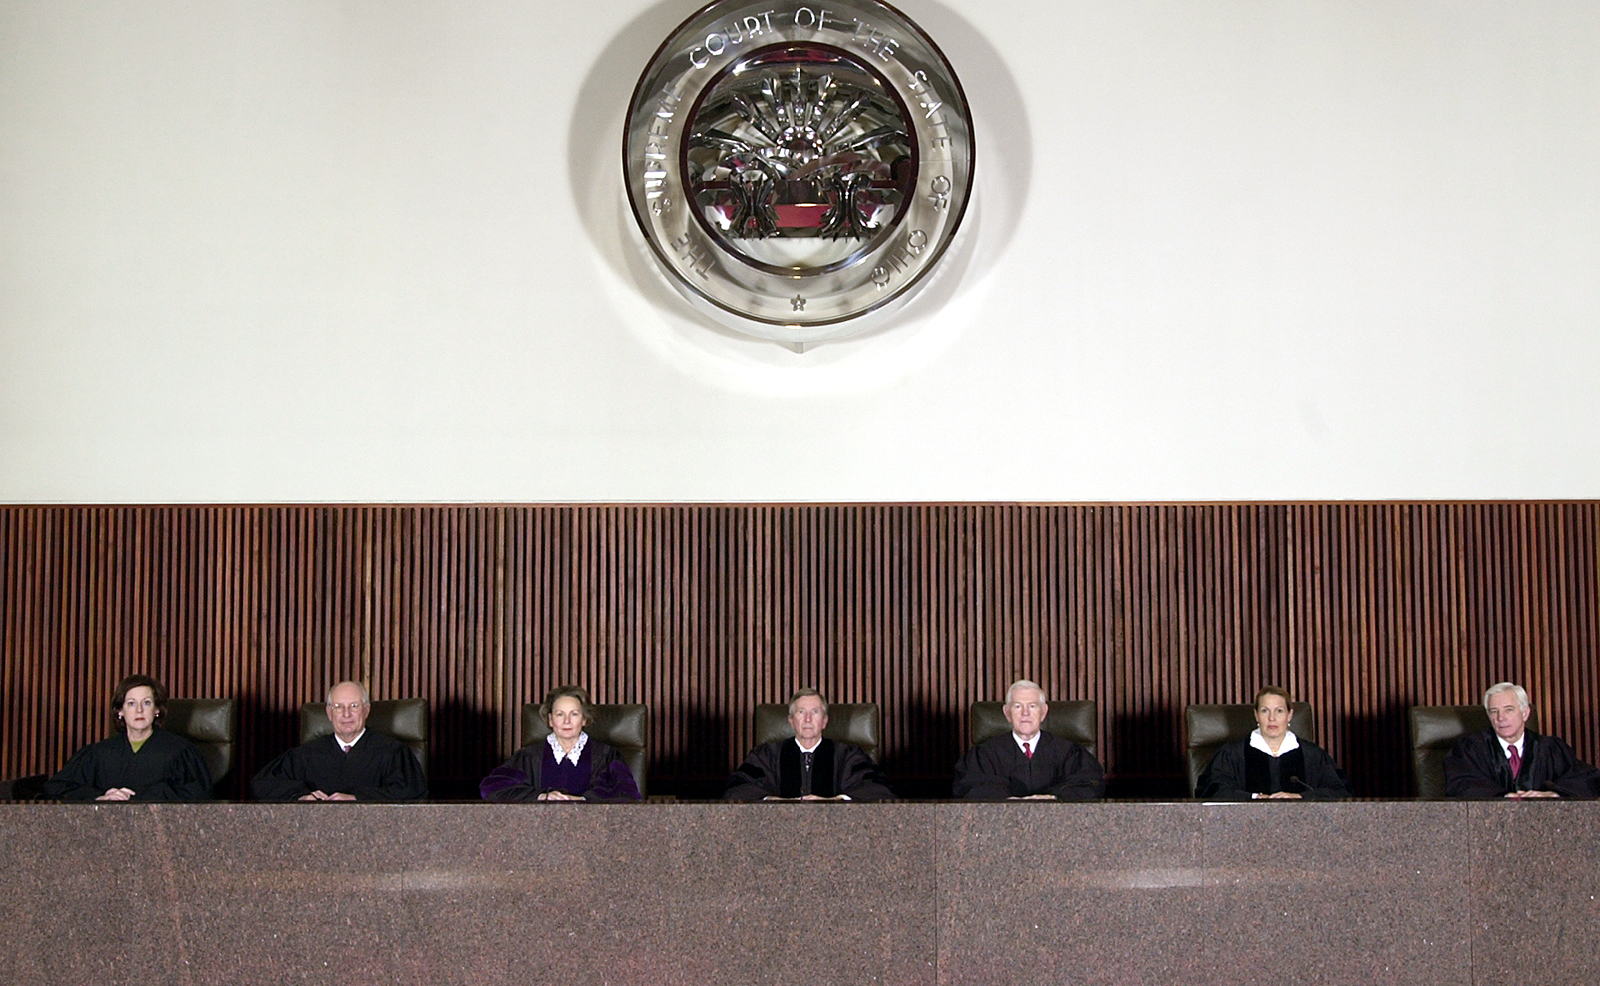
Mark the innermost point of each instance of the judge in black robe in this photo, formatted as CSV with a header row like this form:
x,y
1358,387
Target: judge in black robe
x,y
166,767
1478,768
777,770
997,769
377,768
1240,771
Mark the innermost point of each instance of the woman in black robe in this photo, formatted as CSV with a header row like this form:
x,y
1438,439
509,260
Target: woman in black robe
x,y
1272,762
143,763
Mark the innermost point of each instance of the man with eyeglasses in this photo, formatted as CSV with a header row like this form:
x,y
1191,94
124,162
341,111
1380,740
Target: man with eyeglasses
x,y
353,764
1028,763
809,767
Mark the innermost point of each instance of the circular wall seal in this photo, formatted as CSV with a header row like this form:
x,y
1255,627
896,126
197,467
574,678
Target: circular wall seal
x,y
796,166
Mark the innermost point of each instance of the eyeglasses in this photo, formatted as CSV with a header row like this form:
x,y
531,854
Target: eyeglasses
x,y
336,708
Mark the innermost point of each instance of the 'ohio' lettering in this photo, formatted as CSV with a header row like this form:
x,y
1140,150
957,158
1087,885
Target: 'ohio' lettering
x,y
899,258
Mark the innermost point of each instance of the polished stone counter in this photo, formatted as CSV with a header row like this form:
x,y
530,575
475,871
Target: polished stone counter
x,y
1034,892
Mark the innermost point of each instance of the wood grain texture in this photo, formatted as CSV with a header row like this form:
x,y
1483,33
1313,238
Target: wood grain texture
x,y
702,611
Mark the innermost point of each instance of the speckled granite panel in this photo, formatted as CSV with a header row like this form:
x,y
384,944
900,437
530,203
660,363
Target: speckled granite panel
x,y
690,894
1188,893
74,901
1536,891
478,893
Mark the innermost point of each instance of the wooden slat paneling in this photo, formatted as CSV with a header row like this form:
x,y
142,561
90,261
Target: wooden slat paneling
x,y
702,611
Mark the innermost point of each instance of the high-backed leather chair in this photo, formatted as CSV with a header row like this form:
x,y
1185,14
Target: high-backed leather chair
x,y
212,724
29,788
848,722
1434,731
1209,728
1076,721
624,727
406,719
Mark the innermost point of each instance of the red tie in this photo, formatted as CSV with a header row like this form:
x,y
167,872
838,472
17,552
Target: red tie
x,y
1516,762
1027,751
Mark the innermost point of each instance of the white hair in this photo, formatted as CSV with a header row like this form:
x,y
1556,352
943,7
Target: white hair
x,y
1507,686
1025,683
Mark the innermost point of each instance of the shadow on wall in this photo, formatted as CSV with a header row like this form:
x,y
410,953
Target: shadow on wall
x,y
683,775
470,750
944,729
1159,752
265,732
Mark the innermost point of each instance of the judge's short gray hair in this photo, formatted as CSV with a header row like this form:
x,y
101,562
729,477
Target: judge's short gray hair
x,y
1507,686
800,693
1025,683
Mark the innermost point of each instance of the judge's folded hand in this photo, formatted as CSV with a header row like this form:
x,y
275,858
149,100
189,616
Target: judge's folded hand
x,y
1519,795
1282,796
1033,797
116,794
559,796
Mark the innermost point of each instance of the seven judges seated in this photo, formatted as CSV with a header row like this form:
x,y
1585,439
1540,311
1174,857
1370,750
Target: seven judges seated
x,y
354,763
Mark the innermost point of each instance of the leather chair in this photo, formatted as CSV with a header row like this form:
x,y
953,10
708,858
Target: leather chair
x,y
406,719
624,727
29,788
212,724
1076,721
848,722
1434,731
1210,727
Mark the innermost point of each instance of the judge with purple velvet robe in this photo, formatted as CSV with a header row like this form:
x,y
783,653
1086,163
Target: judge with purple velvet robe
x,y
569,765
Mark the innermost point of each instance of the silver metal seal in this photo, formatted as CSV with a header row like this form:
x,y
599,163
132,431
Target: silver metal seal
x,y
795,166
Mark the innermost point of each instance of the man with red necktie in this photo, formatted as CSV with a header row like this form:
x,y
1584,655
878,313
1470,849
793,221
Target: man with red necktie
x,y
1029,763
1511,761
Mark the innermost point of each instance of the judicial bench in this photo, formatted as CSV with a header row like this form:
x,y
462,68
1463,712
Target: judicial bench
x,y
815,894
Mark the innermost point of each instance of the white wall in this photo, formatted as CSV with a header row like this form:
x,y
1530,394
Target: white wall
x,y
308,250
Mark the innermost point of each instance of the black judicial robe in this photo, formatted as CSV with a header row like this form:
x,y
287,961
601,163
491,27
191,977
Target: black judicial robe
x,y
996,769
377,768
1478,768
166,768
1239,770
774,769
